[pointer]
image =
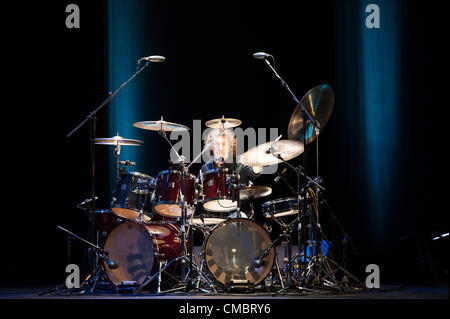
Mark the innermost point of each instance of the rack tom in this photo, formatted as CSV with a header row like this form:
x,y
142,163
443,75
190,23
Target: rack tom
x,y
219,191
171,191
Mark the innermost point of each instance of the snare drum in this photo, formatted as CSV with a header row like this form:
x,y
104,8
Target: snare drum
x,y
170,192
280,207
219,195
132,194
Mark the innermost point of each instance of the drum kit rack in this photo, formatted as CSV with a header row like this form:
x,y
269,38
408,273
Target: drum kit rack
x,y
145,240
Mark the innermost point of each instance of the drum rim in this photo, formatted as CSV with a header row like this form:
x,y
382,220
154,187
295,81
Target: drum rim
x,y
174,171
165,202
205,241
269,209
216,170
216,199
136,173
279,200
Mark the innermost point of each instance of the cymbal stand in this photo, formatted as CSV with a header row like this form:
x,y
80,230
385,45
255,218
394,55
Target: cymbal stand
x,y
184,252
184,256
116,156
306,117
193,268
200,274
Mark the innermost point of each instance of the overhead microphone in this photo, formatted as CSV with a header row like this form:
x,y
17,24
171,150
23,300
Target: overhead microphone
x,y
126,163
280,175
261,55
86,201
153,58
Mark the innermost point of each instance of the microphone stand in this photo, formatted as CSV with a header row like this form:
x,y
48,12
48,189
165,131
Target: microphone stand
x,y
92,118
101,253
306,116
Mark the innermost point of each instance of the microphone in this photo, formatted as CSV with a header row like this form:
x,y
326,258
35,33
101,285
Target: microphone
x,y
87,201
126,163
272,149
261,55
280,175
258,262
112,264
153,58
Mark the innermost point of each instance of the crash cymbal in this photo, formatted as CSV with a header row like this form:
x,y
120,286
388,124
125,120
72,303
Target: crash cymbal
x,y
262,155
319,102
161,125
223,123
254,192
117,140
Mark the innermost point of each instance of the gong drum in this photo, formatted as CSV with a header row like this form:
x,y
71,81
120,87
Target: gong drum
x,y
170,191
231,249
139,247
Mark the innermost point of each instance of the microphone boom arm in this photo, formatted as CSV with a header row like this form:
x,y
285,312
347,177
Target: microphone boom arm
x,y
286,86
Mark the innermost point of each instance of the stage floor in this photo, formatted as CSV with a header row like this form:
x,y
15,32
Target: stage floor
x,y
385,292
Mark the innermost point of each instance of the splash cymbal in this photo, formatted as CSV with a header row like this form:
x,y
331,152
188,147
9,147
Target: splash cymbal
x,y
223,123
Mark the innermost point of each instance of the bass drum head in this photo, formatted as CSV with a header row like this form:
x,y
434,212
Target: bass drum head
x,y
131,245
232,248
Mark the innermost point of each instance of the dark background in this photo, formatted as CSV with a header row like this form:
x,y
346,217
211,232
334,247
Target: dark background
x,y
53,77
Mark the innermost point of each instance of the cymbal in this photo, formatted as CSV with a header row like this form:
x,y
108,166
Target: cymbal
x,y
254,192
117,140
319,102
261,155
161,125
223,123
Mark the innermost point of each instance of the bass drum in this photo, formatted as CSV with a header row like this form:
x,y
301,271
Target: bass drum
x,y
231,250
139,247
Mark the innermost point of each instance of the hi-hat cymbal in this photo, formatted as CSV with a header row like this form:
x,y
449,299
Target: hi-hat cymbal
x,y
254,192
161,125
319,102
268,153
223,123
117,140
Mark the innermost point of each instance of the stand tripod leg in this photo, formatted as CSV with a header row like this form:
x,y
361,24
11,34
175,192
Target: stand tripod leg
x,y
279,274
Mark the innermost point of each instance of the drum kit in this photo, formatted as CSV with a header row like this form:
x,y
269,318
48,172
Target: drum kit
x,y
145,239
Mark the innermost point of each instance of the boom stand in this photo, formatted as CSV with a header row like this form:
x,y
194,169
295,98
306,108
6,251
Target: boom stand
x,y
101,254
92,118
